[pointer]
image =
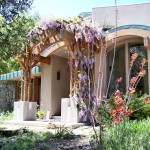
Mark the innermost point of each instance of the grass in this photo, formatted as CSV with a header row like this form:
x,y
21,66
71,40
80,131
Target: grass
x,y
129,135
6,116
24,141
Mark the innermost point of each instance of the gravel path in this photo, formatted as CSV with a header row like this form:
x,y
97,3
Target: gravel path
x,y
78,143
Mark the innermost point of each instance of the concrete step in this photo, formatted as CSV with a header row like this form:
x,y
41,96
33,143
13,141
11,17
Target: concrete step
x,y
56,117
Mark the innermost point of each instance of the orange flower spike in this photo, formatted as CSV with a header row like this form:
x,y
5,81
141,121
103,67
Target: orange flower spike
x,y
134,56
119,80
116,121
117,93
118,100
128,113
131,90
147,100
142,73
120,108
113,113
133,80
143,62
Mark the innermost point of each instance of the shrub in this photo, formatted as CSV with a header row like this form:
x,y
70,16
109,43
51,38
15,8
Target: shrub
x,y
128,135
139,108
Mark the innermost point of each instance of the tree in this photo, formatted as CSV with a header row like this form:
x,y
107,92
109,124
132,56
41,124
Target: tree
x,y
12,8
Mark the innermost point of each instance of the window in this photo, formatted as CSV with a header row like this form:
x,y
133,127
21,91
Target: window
x,y
120,66
118,70
142,86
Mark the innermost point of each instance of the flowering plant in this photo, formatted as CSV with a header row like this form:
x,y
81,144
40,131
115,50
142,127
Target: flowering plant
x,y
121,108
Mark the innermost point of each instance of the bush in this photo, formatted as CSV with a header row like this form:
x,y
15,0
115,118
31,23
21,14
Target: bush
x,y
139,108
128,135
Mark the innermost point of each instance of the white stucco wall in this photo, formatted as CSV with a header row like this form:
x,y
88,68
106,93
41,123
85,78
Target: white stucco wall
x,y
127,14
46,87
52,90
60,88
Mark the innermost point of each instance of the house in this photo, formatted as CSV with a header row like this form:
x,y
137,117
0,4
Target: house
x,y
51,89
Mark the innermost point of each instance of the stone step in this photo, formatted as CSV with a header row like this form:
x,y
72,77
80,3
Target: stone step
x,y
57,117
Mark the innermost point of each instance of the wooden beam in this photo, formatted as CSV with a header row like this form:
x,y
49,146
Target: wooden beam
x,y
21,64
45,60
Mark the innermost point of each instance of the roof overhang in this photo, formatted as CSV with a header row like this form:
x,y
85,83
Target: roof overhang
x,y
129,30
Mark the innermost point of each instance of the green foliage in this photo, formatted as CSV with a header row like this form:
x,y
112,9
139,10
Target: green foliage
x,y
63,133
9,66
12,8
104,111
6,116
13,35
139,108
40,112
24,140
128,135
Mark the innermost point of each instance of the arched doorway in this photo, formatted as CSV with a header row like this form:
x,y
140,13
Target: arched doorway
x,y
55,80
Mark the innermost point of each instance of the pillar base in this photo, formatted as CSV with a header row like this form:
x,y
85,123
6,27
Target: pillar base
x,y
25,111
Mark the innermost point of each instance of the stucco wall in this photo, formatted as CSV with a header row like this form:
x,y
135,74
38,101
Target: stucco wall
x,y
60,88
46,87
127,14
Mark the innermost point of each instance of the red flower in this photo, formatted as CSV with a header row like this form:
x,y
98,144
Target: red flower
x,y
133,80
147,100
131,90
117,121
113,113
117,93
134,56
128,113
120,108
143,62
119,80
118,100
142,73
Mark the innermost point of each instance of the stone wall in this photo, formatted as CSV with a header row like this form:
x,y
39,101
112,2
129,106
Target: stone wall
x,y
7,95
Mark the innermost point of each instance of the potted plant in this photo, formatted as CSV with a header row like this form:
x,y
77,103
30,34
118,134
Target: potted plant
x,y
40,113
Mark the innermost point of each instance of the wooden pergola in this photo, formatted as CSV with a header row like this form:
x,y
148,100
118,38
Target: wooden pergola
x,y
57,38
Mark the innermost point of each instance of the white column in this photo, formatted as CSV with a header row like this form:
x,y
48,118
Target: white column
x,y
148,57
127,64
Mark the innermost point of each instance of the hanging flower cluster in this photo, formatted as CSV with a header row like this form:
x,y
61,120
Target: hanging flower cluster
x,y
81,29
83,40
83,86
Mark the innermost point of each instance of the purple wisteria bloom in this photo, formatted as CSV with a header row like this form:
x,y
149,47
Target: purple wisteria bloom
x,y
76,63
79,54
83,114
78,36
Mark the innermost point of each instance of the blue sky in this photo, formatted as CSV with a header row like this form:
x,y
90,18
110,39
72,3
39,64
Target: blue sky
x,y
69,8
